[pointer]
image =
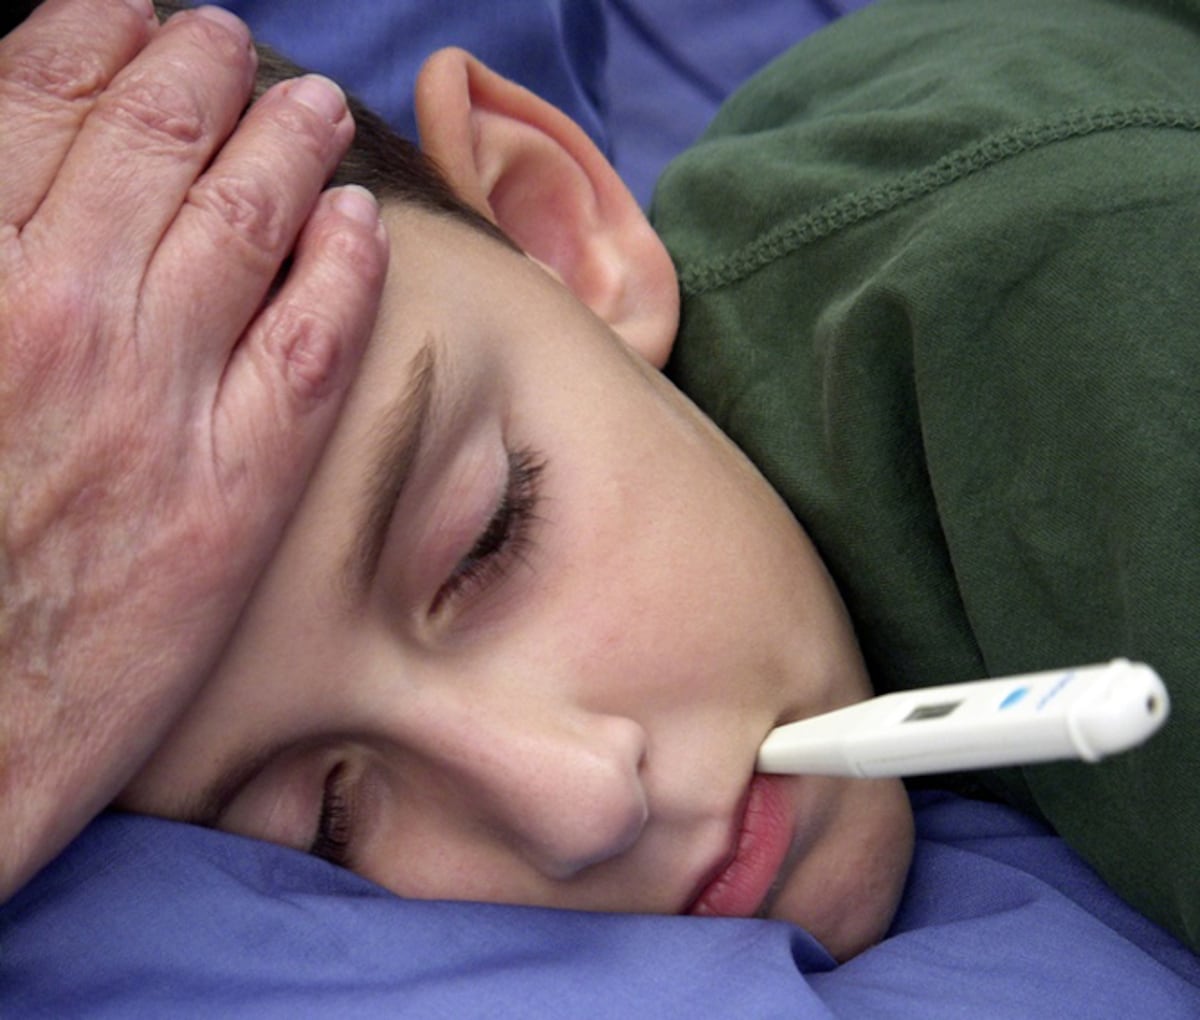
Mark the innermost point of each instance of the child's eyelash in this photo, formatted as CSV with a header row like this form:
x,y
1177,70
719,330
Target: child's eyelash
x,y
332,842
504,538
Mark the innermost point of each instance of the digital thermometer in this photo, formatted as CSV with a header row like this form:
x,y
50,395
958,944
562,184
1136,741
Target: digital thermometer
x,y
1087,713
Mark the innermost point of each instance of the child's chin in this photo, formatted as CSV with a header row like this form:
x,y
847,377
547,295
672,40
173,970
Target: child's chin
x,y
847,893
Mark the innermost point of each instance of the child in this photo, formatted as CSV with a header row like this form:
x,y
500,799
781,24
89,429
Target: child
x,y
532,619
535,614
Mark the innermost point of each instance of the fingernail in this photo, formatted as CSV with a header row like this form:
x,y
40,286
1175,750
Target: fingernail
x,y
143,8
222,17
320,95
358,204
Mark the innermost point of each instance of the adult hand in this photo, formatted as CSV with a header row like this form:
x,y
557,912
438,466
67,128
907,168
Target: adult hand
x,y
160,403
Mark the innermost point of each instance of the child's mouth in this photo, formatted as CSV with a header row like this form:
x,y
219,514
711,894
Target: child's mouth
x,y
742,880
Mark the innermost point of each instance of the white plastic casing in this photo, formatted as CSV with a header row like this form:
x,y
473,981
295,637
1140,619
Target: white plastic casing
x,y
1088,712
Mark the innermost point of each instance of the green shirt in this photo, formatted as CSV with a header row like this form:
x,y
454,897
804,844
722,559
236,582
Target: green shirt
x,y
941,279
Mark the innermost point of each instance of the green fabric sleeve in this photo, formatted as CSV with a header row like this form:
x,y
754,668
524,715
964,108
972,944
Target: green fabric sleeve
x,y
941,277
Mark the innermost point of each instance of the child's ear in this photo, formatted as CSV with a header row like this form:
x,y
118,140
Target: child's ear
x,y
536,174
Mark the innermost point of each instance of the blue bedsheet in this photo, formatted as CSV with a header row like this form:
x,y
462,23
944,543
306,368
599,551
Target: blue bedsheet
x,y
146,918
643,77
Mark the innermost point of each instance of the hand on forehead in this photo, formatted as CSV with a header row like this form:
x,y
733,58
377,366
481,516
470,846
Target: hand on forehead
x,y
158,418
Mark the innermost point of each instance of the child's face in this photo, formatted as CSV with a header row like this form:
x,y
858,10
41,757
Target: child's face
x,y
527,630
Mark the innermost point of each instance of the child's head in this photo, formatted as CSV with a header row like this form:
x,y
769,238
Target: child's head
x,y
535,614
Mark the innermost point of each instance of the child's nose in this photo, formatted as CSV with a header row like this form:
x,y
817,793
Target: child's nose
x,y
565,796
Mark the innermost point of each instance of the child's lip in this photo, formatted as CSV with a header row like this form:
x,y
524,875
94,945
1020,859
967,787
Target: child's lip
x,y
738,884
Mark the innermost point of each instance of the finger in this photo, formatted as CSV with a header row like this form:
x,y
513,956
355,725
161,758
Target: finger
x,y
242,217
148,137
52,68
284,385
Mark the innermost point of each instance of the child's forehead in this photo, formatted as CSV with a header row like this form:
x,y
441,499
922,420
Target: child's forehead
x,y
465,225
437,253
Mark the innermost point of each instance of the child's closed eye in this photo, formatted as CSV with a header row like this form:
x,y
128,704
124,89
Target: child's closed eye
x,y
335,822
505,537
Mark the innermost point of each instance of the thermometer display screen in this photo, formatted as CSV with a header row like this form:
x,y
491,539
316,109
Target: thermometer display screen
x,y
936,711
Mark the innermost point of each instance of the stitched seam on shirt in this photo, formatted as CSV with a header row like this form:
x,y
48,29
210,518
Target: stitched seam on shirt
x,y
852,209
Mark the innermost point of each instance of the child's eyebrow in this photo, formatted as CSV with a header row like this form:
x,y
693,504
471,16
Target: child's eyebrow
x,y
391,464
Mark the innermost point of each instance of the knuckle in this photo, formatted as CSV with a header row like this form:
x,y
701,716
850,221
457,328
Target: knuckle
x,y
245,208
57,69
305,346
160,109
358,252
